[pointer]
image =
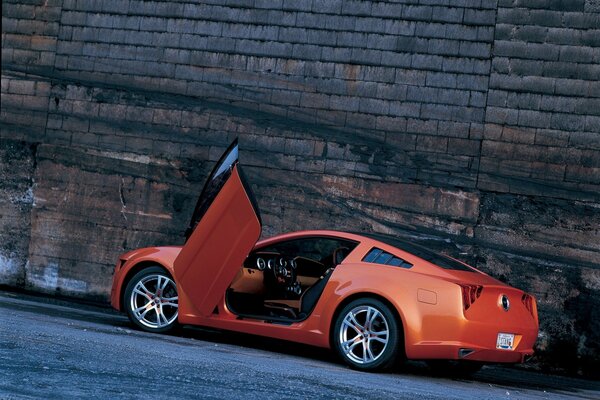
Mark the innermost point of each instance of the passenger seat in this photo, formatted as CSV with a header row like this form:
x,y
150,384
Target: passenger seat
x,y
309,298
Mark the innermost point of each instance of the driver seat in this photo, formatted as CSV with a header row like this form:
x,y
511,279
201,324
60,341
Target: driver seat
x,y
309,298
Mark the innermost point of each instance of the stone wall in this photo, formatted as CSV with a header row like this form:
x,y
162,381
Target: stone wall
x,y
544,101
472,126
16,171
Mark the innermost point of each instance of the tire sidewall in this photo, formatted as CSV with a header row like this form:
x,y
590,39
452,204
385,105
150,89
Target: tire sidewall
x,y
127,298
390,353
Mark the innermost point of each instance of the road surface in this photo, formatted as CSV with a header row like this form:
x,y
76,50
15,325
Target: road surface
x,y
58,349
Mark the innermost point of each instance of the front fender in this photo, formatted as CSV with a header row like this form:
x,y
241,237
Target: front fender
x,y
129,263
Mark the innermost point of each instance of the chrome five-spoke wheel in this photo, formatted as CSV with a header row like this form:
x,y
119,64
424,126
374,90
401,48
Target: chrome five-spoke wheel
x,y
366,334
151,300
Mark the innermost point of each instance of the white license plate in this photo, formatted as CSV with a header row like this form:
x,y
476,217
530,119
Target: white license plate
x,y
505,341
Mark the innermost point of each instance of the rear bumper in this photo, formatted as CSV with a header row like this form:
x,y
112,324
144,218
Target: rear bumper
x,y
451,331
499,356
465,339
468,351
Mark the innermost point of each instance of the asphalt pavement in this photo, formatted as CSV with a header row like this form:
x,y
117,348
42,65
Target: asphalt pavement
x,y
58,349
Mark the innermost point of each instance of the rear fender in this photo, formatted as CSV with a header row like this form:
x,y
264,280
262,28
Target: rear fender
x,y
399,287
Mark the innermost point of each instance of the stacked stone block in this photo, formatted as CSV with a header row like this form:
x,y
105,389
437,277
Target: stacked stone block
x,y
544,102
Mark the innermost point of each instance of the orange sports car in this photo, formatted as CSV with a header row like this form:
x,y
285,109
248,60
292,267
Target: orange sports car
x,y
371,298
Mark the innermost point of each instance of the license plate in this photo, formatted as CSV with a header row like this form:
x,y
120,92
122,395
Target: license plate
x,y
505,341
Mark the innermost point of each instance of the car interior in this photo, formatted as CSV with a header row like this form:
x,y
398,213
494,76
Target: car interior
x,y
284,281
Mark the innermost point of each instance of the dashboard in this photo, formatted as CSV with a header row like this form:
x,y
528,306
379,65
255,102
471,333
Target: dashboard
x,y
292,274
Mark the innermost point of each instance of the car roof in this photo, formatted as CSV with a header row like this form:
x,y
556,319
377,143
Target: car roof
x,y
423,252
416,250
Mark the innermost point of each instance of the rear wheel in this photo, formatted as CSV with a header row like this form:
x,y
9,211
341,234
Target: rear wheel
x,y
365,335
151,300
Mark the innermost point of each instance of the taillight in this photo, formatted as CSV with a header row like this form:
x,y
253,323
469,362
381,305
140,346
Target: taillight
x,y
470,293
527,301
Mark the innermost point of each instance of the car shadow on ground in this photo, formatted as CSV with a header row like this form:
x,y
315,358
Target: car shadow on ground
x,y
495,375
511,377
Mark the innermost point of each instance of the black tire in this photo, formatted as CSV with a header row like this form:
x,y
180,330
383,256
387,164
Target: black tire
x,y
454,368
153,300
350,340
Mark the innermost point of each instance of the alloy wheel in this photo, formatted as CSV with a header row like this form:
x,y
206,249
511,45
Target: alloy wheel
x,y
364,334
154,301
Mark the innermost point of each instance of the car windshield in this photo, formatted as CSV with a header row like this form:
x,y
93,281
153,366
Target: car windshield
x,y
440,260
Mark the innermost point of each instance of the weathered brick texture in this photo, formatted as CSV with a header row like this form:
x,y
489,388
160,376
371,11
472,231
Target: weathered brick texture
x,y
544,102
476,121
389,67
16,170
30,32
91,202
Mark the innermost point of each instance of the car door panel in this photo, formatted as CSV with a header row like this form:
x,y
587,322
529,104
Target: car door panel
x,y
227,229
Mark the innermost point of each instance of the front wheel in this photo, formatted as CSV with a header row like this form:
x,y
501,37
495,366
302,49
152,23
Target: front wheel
x,y
366,335
151,300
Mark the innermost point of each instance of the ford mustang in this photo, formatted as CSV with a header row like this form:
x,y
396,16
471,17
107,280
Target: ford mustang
x,y
373,299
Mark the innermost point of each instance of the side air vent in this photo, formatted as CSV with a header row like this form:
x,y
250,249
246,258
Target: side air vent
x,y
470,293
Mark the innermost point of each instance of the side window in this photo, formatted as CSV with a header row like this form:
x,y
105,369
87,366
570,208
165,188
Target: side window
x,y
378,256
217,178
318,249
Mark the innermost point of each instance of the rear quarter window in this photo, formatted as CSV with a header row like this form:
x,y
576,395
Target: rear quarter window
x,y
424,253
378,256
